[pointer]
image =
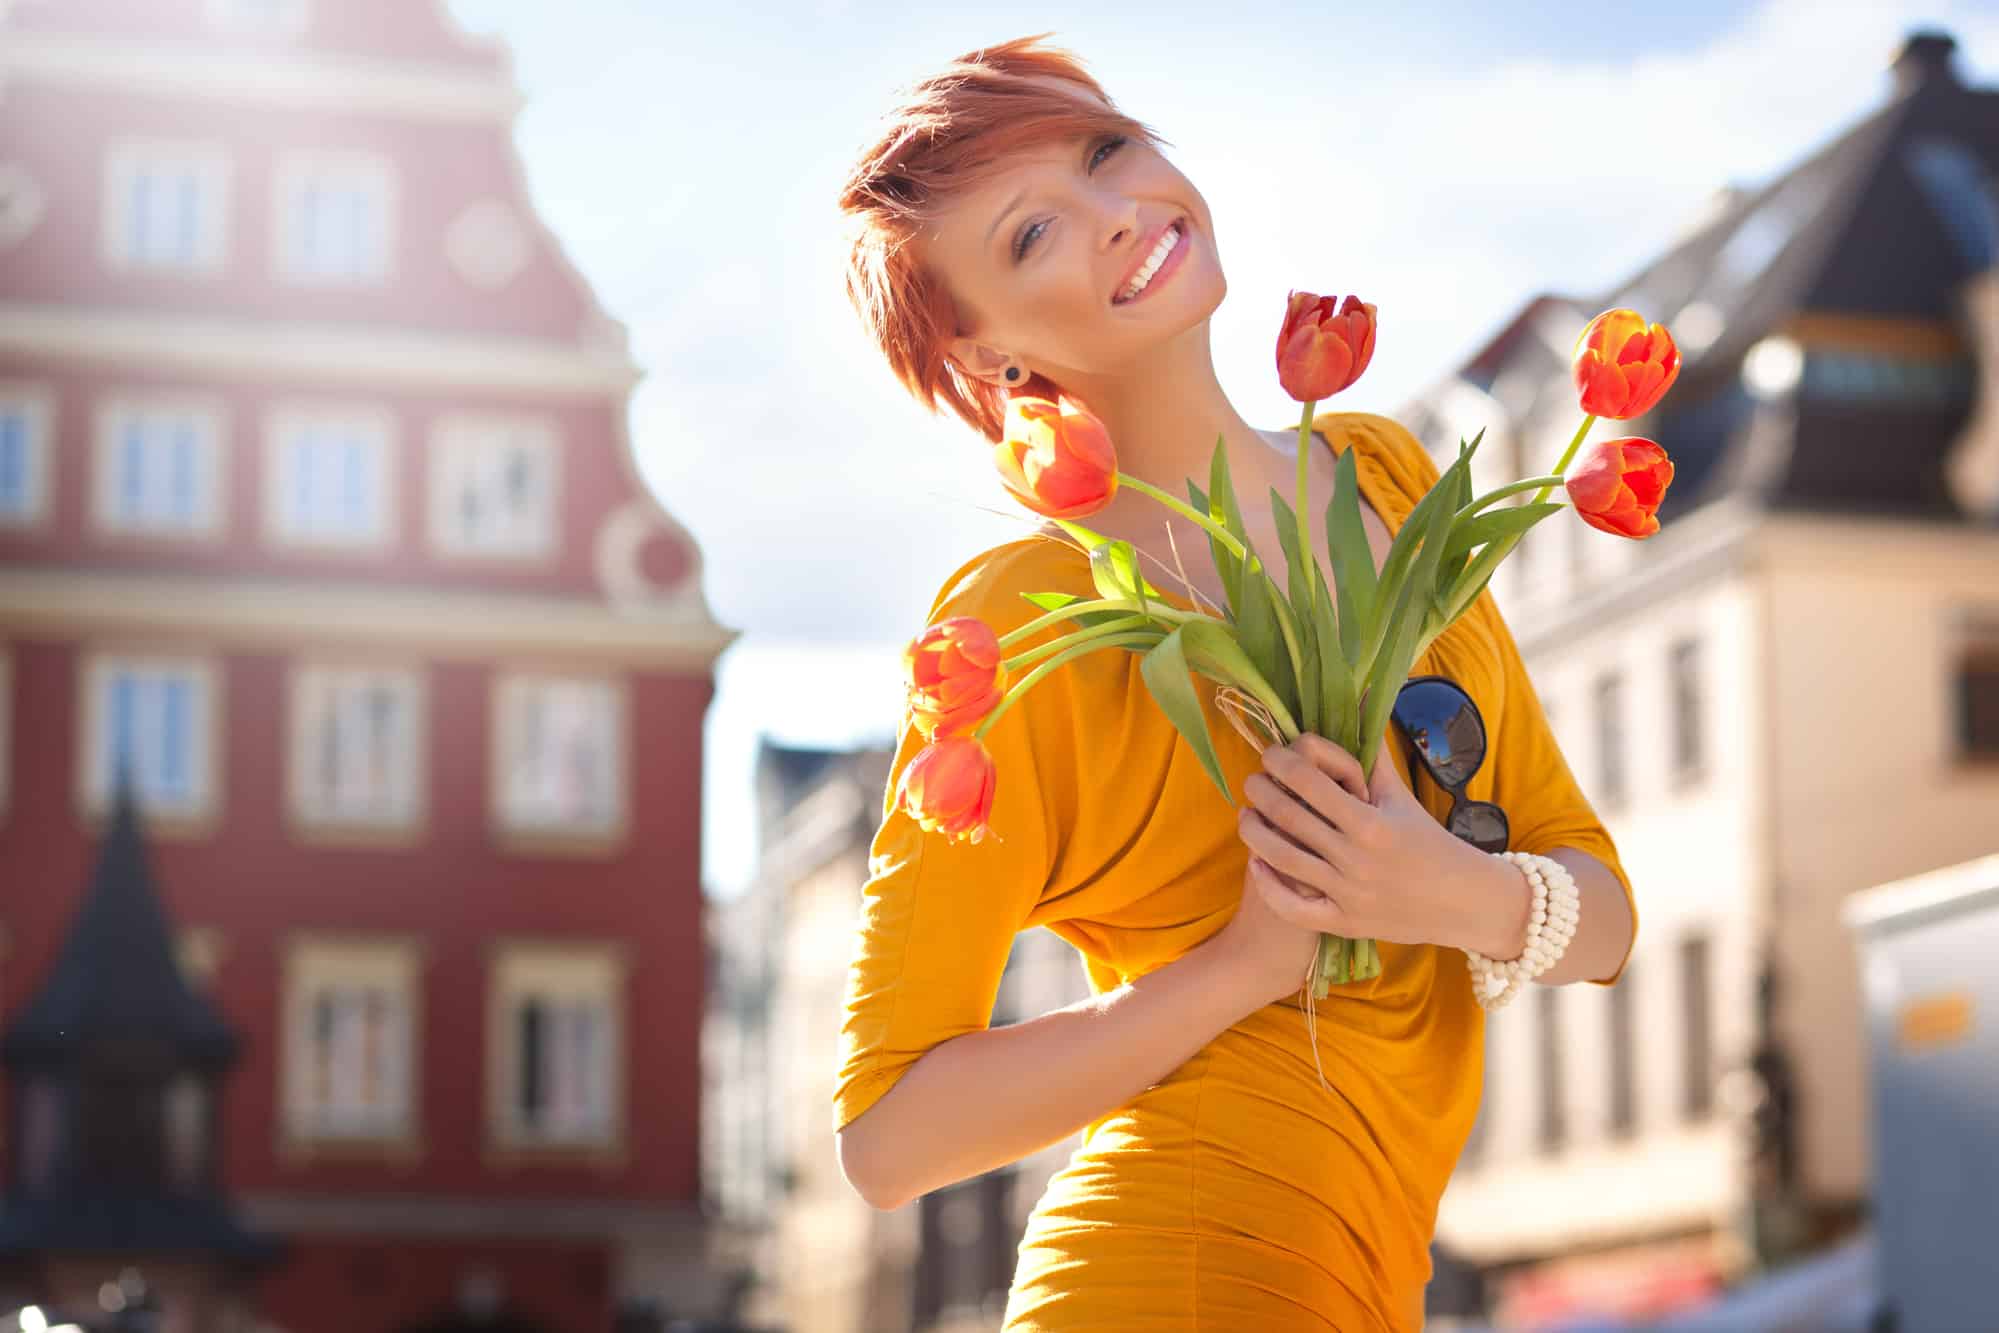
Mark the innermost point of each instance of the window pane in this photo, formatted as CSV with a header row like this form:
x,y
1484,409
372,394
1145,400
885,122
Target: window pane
x,y
1548,1030
1623,1056
1697,1056
1610,739
1978,702
1687,708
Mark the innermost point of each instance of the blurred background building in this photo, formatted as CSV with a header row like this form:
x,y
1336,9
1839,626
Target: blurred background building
x,y
1790,694
318,519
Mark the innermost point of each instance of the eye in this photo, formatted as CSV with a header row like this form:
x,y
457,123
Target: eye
x,y
1029,235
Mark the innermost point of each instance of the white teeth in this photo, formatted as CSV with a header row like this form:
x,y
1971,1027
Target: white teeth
x,y
1152,263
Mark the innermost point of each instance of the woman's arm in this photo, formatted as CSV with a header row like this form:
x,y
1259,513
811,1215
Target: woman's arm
x,y
1604,927
987,1098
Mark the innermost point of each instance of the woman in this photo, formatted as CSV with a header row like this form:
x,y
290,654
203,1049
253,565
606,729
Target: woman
x,y
1016,233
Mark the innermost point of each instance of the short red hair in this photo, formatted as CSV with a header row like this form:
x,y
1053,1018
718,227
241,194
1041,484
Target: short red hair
x,y
950,131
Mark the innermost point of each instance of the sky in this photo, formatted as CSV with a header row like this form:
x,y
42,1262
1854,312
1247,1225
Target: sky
x,y
1445,161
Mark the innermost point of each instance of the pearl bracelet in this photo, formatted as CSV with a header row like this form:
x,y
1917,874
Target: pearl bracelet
x,y
1551,924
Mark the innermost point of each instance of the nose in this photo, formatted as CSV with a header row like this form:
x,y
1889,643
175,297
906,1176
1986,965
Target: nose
x,y
1119,219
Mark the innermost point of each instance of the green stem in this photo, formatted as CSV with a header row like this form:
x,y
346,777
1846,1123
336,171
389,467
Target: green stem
x,y
1304,444
1074,609
1032,678
1220,533
1497,494
1019,660
1567,454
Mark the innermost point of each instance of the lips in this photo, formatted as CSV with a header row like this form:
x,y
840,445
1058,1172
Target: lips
x,y
1144,251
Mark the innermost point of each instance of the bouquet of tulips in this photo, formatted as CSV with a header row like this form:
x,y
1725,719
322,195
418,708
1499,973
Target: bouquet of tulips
x,y
1301,658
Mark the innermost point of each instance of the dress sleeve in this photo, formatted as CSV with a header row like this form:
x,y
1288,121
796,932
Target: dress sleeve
x,y
1545,806
938,917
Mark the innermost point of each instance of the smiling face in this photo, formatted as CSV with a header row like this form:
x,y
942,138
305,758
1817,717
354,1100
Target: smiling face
x,y
1041,259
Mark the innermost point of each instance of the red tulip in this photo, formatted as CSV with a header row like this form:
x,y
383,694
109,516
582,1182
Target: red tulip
x,y
1616,486
948,788
954,675
1320,352
1624,366
1057,460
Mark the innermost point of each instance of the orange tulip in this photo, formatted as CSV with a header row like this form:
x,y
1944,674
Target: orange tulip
x,y
1617,485
1320,352
954,674
948,788
1623,366
1057,460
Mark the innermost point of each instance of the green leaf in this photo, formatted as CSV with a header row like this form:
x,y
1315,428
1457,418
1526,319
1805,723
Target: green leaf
x,y
1226,564
1413,603
1114,569
1051,601
1302,570
1088,539
1221,493
1262,639
1166,676
1494,524
1335,677
1352,558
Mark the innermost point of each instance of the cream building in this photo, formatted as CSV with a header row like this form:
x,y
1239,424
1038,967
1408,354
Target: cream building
x,y
1789,694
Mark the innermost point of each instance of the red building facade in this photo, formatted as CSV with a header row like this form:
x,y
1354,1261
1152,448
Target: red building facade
x,y
318,515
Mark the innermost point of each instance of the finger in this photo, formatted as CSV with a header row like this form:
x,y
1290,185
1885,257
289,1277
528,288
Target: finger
x,y
1283,854
1286,902
1296,820
1332,787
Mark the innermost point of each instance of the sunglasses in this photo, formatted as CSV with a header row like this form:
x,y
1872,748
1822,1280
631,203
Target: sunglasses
x,y
1447,737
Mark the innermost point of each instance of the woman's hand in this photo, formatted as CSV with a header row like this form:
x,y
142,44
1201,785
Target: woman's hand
x,y
1365,860
1269,953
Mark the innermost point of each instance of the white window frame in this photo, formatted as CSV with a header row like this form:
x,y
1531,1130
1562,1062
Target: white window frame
x,y
510,699
208,163
95,770
289,20
318,962
462,443
318,687
211,498
590,973
373,428
36,406
368,174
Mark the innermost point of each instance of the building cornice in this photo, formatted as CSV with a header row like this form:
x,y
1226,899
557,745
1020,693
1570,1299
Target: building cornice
x,y
324,82
1734,533
217,611
297,352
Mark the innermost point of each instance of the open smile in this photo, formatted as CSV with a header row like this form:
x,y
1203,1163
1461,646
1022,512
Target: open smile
x,y
1159,264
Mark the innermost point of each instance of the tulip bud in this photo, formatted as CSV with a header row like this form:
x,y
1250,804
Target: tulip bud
x,y
1623,366
1057,460
954,675
948,788
1617,485
1320,352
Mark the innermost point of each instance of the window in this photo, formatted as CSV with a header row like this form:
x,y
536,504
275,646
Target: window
x,y
350,1039
492,488
1622,1059
1610,739
155,718
560,766
24,457
1697,1032
6,743
1977,693
357,754
1685,668
159,469
166,207
329,479
1553,1128
555,1044
335,217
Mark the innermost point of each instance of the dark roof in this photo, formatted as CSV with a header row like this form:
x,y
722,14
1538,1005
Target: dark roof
x,y
1885,222
116,977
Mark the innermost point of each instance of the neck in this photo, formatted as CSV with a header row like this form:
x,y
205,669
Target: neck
x,y
1164,419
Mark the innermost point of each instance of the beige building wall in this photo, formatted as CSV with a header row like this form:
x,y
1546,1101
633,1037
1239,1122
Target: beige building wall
x,y
1867,620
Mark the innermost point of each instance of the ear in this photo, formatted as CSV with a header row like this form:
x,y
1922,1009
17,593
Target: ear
x,y
980,360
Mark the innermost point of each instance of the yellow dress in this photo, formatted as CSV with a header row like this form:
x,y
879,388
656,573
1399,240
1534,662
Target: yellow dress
x,y
1237,1194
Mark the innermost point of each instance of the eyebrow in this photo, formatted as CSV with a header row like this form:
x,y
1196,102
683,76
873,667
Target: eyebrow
x,y
1002,216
